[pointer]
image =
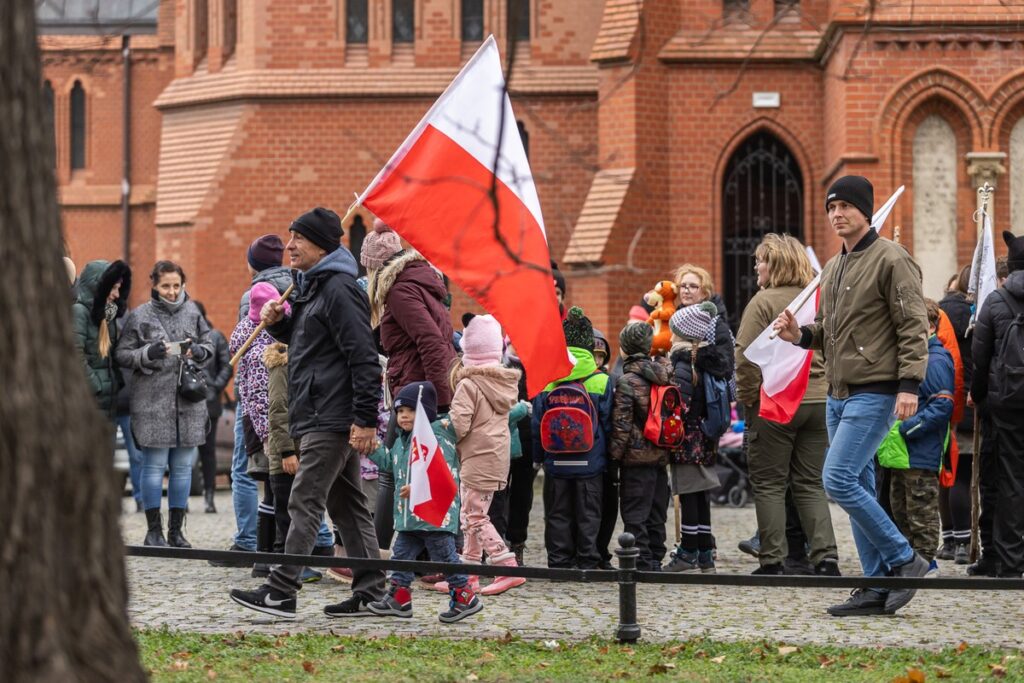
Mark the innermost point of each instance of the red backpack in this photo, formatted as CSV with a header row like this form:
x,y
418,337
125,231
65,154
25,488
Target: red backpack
x,y
569,421
664,426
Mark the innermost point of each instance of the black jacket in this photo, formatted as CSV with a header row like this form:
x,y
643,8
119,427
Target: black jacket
x,y
94,285
958,309
333,371
218,372
993,320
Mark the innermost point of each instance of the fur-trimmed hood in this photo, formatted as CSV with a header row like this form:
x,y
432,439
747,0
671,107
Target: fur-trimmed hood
x,y
498,384
275,355
405,265
96,281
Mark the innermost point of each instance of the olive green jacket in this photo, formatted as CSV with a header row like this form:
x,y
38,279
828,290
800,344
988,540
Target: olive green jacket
x,y
762,310
871,324
279,443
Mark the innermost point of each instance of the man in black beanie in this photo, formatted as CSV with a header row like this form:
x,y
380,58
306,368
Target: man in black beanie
x,y
872,327
333,382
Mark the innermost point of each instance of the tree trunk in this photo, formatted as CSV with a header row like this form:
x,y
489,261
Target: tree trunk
x,y
62,575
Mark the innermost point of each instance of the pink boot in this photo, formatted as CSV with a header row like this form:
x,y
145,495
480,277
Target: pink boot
x,y
473,585
503,583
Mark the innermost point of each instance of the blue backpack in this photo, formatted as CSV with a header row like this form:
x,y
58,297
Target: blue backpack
x,y
716,396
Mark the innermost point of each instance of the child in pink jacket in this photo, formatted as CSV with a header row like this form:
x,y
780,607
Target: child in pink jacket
x,y
485,393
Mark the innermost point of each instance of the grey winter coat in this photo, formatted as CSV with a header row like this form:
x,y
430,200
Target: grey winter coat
x,y
160,418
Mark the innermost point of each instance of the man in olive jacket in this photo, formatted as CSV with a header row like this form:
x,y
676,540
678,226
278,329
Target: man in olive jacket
x,y
872,327
333,381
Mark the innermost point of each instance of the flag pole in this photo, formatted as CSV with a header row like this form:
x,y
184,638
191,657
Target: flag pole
x,y
984,196
284,297
408,465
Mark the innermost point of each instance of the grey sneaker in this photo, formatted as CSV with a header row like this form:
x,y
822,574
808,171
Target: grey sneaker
x,y
899,597
863,602
682,562
945,552
962,554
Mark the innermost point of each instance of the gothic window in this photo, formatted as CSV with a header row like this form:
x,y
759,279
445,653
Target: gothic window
x,y
525,136
935,217
762,192
519,19
48,108
472,21
356,21
77,126
402,21
1017,178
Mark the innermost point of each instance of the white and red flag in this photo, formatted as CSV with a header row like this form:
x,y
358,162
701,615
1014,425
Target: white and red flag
x,y
431,484
460,191
983,269
785,367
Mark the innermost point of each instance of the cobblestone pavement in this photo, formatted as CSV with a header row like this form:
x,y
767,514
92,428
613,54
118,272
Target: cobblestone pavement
x,y
191,595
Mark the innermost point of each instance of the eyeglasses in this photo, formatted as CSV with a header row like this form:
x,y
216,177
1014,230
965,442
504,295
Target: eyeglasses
x,y
688,286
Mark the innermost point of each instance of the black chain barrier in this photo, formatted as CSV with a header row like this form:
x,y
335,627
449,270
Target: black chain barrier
x,y
627,575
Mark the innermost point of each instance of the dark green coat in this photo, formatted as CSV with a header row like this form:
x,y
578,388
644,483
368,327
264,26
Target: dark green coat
x,y
94,285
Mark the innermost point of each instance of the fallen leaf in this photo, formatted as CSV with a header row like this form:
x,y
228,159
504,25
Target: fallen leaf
x,y
472,677
628,651
181,655
551,644
603,650
674,650
700,654
211,674
543,665
179,665
825,661
718,660
485,658
787,650
309,667
506,639
915,675
961,647
338,648
942,672
998,670
620,674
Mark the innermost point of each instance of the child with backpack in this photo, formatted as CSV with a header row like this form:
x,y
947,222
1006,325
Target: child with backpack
x,y
701,371
647,420
414,534
485,392
571,424
913,449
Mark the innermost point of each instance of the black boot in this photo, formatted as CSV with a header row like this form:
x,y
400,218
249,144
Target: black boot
x,y
174,536
155,532
208,497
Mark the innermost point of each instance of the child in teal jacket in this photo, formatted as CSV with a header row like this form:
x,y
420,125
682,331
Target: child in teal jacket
x,y
414,535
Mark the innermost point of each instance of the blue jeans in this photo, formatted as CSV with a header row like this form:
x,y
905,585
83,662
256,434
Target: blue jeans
x,y
440,547
856,427
154,462
134,457
244,496
325,537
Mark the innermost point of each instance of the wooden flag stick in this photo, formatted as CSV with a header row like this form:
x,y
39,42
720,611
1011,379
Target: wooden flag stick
x,y
984,194
284,297
799,305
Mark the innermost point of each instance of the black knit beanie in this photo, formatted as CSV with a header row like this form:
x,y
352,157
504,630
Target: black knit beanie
x,y
636,338
408,394
1015,251
320,226
578,330
855,190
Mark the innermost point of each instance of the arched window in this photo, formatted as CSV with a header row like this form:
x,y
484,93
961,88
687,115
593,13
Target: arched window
x,y
356,235
935,215
762,192
77,126
472,21
403,25
356,22
519,19
48,108
525,136
1017,178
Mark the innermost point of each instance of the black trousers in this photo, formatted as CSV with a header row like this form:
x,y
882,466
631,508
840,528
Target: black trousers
x,y
643,500
208,455
520,498
281,485
988,477
1008,520
572,517
609,513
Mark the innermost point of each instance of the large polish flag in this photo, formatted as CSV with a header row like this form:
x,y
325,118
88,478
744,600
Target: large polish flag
x,y
431,484
785,367
483,229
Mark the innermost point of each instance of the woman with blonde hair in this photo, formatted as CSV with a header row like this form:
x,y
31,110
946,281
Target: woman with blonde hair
x,y
103,291
791,455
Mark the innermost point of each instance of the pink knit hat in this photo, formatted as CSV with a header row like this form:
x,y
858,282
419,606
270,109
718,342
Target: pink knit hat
x,y
379,245
261,293
481,342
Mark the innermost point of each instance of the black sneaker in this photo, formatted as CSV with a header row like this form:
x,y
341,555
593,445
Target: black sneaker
x,y
751,546
798,566
232,563
397,603
356,606
899,597
463,603
267,600
827,567
863,602
773,569
946,552
962,554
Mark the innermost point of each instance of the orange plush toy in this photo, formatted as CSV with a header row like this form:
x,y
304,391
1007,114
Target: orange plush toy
x,y
663,298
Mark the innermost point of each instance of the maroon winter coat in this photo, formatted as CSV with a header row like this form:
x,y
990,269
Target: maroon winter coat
x,y
416,333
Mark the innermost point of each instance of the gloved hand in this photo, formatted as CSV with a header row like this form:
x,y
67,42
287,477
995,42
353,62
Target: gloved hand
x,y
156,351
191,344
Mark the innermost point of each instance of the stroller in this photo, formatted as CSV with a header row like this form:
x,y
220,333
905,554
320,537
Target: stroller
x,y
731,467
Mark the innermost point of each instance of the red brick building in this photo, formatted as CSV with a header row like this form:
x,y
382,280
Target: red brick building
x,y
659,131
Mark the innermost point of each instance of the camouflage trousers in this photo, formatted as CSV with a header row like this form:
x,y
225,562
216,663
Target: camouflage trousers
x,y
914,496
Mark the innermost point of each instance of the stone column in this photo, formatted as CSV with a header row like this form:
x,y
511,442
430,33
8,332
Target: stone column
x,y
985,167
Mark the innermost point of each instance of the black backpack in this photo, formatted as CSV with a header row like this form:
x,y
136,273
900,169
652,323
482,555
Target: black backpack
x,y
1007,372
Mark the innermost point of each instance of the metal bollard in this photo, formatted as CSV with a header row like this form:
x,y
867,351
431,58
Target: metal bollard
x,y
627,552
